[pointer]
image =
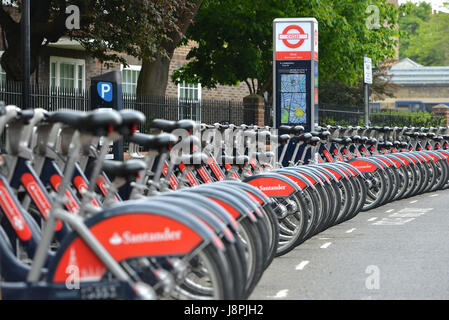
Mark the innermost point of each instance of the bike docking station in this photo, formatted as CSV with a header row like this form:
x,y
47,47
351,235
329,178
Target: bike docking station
x,y
295,73
106,92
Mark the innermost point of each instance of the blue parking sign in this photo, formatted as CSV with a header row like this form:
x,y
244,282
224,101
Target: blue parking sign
x,y
104,90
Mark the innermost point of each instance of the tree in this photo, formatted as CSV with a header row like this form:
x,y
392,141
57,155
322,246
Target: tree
x,y
412,15
240,47
153,77
336,93
140,28
429,45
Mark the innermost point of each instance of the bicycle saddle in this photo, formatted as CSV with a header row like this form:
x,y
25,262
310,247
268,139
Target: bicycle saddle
x,y
430,135
404,145
123,169
25,116
130,120
100,122
324,135
371,141
337,140
303,137
313,141
186,124
283,139
68,117
364,139
160,142
163,125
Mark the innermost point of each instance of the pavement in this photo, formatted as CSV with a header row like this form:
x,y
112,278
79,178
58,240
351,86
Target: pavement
x,y
397,251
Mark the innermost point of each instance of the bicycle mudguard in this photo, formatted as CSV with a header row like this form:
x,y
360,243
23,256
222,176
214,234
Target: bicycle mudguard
x,y
258,196
385,160
335,170
273,185
351,170
411,158
205,209
142,228
225,200
431,155
398,162
423,156
299,179
323,171
365,164
244,199
221,213
319,173
313,178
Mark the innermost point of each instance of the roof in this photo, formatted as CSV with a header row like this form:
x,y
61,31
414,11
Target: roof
x,y
409,72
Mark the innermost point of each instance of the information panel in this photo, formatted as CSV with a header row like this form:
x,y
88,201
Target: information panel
x,y
295,71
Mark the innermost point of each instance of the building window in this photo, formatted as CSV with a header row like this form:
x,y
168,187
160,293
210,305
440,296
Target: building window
x,y
410,106
189,101
67,73
374,107
130,75
2,72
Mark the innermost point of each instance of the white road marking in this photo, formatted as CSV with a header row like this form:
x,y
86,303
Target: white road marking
x,y
434,195
414,201
372,219
281,294
350,230
302,265
324,238
392,221
326,245
388,211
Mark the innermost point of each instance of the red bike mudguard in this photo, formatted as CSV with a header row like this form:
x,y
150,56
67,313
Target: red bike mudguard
x,y
273,185
138,229
364,164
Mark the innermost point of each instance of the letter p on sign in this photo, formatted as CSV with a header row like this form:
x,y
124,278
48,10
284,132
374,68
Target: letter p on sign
x,y
104,90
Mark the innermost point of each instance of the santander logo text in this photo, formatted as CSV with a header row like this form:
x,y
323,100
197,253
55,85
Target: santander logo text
x,y
278,187
127,237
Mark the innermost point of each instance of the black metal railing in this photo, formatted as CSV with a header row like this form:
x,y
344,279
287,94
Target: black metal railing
x,y
167,107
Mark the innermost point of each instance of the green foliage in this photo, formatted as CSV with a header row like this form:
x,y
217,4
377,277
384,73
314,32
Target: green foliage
x,y
411,17
235,40
429,44
108,28
388,118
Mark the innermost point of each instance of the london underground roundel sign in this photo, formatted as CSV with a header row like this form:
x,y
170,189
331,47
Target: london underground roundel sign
x,y
293,41
293,36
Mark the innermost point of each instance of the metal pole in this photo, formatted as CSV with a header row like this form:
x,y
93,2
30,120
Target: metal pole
x,y
366,104
25,30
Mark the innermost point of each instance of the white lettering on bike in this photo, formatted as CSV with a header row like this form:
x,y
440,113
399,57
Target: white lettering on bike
x,y
278,187
129,238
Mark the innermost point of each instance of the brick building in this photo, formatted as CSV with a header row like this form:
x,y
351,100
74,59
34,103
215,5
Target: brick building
x,y
420,88
66,64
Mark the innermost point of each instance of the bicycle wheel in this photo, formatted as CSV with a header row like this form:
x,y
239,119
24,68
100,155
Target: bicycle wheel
x,y
376,187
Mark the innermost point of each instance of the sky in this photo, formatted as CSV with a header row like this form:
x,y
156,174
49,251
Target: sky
x,y
436,4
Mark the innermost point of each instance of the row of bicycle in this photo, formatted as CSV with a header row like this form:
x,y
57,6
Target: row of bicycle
x,y
199,216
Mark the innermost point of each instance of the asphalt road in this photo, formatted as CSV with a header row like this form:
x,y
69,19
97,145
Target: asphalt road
x,y
397,251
